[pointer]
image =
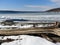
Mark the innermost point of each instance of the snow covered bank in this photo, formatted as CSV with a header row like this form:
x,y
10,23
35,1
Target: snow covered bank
x,y
28,40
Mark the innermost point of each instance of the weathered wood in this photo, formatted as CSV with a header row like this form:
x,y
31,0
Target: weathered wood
x,y
29,31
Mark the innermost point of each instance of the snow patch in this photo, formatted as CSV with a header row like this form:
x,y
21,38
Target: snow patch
x,y
28,40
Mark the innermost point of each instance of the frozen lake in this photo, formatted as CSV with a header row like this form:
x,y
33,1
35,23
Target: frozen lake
x,y
31,16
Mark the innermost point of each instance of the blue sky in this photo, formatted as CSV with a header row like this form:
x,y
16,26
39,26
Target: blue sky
x,y
29,5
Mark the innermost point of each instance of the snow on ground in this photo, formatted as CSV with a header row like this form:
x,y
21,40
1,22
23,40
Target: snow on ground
x,y
57,43
26,26
28,40
11,37
12,43
1,37
32,40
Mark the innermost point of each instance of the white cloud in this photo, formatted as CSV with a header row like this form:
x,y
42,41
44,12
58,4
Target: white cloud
x,y
37,6
41,7
56,2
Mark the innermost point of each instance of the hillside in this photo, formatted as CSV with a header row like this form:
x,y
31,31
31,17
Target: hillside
x,y
54,10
